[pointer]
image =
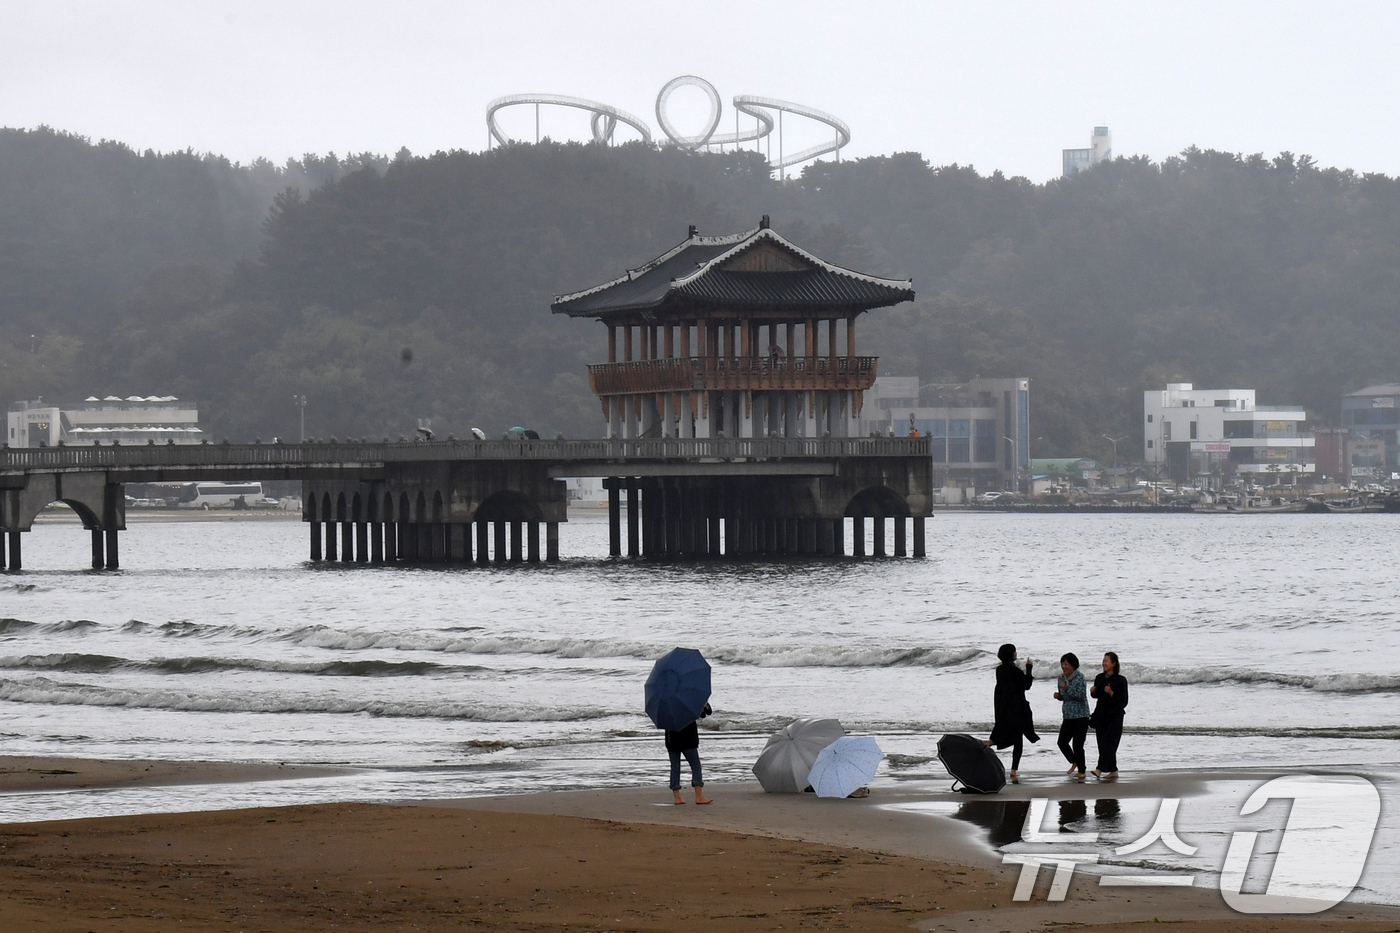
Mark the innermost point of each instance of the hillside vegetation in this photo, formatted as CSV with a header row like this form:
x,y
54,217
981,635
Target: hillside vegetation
x,y
392,289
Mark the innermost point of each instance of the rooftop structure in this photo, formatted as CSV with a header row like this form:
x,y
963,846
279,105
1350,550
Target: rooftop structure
x,y
710,343
1100,150
135,419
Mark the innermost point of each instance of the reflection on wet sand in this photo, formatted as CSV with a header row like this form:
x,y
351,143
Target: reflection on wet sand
x,y
1005,820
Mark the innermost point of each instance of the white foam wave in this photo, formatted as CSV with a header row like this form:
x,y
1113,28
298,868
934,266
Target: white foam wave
x,y
1345,682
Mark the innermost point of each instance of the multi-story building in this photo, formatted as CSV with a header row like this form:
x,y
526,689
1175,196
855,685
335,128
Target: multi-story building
x,y
133,420
1100,150
1206,435
978,431
1371,417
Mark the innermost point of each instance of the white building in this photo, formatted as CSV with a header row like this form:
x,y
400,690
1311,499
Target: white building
x,y
1100,150
132,420
1197,433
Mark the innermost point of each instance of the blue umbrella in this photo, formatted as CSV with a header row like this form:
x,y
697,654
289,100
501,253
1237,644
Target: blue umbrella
x,y
678,688
844,765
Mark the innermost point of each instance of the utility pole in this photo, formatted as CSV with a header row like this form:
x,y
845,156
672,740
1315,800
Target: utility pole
x,y
300,402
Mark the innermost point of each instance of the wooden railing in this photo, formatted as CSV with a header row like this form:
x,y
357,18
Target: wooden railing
x,y
751,373
352,453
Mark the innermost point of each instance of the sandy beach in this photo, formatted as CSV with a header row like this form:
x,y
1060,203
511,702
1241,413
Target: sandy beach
x,y
619,859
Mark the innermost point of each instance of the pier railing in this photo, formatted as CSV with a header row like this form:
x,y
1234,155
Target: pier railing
x,y
353,452
741,373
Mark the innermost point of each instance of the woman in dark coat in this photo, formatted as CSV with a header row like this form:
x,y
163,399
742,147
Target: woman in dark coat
x,y
1013,710
1111,690
686,742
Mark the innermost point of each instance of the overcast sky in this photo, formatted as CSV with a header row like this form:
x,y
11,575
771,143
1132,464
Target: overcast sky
x,y
995,85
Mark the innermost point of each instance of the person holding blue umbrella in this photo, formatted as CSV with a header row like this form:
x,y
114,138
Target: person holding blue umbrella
x,y
677,695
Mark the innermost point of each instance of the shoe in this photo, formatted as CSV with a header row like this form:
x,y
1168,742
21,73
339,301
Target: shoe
x,y
1015,778
859,792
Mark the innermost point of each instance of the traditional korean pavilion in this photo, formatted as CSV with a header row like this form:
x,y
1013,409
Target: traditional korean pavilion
x,y
739,336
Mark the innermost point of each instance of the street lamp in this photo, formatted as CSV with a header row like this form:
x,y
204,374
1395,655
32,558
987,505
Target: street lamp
x,y
1114,441
300,402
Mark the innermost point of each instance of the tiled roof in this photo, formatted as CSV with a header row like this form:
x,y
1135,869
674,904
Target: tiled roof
x,y
694,271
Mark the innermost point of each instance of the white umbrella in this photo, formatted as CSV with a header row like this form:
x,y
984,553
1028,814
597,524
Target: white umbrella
x,y
787,759
844,765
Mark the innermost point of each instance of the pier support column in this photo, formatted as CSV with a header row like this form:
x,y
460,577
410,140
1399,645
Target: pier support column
x,y
330,540
347,542
551,542
315,540
838,537
858,536
362,542
98,559
517,550
500,542
113,561
15,562
634,518
458,541
919,536
826,546
899,549
437,541
878,537
532,542
391,542
376,542
614,519
483,542
713,518
408,541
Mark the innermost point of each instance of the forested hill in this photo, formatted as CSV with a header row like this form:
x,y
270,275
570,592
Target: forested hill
x,y
388,290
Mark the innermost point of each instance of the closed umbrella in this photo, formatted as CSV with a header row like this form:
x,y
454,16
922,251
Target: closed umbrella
x,y
787,759
972,763
844,765
677,689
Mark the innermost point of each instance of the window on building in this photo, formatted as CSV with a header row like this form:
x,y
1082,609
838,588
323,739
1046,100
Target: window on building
x,y
1193,430
959,440
1149,419
984,440
1166,430
936,430
1239,429
1149,445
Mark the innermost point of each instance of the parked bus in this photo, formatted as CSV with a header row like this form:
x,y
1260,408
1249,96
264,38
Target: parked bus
x,y
222,496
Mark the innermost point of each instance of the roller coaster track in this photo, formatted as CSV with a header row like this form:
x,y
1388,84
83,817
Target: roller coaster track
x,y
603,122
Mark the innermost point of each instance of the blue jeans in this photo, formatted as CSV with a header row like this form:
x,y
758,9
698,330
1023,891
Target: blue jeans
x,y
692,755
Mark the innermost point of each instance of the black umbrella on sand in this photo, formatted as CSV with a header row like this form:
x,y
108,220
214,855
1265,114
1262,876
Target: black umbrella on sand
x,y
972,764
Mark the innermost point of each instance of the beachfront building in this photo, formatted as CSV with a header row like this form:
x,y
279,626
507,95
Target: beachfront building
x,y
978,431
1208,436
158,419
1371,417
742,335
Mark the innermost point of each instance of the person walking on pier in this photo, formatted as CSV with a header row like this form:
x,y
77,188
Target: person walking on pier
x,y
1012,709
687,742
1074,729
1111,689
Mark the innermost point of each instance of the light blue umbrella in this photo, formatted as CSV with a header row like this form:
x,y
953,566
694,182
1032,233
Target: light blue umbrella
x,y
844,765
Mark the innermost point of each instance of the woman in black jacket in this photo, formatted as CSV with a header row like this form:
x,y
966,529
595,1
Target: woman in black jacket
x,y
1111,689
1012,709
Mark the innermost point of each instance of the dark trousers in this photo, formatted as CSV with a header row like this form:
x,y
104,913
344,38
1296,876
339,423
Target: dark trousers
x,y
1016,748
1109,733
1072,735
692,755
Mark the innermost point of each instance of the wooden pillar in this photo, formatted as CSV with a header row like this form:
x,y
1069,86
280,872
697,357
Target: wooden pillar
x,y
831,338
791,340
15,562
685,339
315,540
362,542
612,343
113,561
668,343
500,542
627,343
347,542
551,542
634,518
614,519
330,541
376,542
483,543
809,339
919,536
532,541
851,336
98,559
878,536
858,536
899,547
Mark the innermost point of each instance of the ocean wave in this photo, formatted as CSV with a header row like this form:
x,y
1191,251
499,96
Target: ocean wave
x,y
1323,683
101,663
317,636
8,626
78,663
53,693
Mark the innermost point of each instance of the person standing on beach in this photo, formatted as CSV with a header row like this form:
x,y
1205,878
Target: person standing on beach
x,y
1012,709
1075,727
1111,690
687,742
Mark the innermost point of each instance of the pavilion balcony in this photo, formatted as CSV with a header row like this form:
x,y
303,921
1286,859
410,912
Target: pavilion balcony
x,y
744,373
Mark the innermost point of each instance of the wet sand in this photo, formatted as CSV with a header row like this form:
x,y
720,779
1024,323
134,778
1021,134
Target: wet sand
x,y
620,859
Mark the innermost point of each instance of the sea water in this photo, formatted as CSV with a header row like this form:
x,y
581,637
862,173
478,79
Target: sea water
x,y
1263,641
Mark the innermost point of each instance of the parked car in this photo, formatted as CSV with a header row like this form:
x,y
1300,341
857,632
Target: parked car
x,y
988,498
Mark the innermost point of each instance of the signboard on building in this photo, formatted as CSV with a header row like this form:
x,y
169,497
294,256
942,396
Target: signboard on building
x,y
1383,402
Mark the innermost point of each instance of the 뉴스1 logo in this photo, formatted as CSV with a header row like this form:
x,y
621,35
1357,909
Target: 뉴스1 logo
x,y
1320,858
